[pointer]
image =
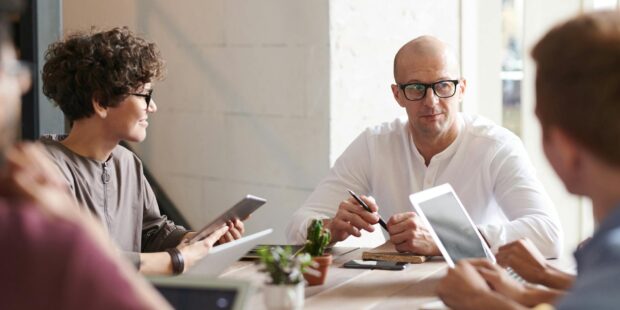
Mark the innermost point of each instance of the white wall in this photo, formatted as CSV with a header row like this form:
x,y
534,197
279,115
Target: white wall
x,y
481,46
540,17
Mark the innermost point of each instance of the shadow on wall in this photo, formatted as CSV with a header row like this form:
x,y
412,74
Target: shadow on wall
x,y
268,136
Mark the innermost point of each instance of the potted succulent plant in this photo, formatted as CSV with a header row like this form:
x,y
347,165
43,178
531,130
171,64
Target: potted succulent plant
x,y
286,287
317,240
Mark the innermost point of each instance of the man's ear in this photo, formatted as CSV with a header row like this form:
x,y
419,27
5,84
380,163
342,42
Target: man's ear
x,y
564,143
99,109
566,157
462,86
396,93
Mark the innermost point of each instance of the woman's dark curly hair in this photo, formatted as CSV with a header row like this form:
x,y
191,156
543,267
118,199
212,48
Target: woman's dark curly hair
x,y
105,66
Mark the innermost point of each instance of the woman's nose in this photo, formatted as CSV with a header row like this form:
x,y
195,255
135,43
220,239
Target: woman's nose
x,y
152,107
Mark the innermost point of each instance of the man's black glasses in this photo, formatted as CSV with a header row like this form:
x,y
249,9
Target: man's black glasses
x,y
417,91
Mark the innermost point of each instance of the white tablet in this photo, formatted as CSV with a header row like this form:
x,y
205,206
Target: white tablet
x,y
241,210
452,229
222,256
191,292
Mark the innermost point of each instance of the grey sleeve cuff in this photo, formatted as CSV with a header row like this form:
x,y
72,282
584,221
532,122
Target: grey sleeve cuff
x,y
174,238
160,238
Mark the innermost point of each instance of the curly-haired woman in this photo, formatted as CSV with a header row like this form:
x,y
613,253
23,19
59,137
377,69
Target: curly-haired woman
x,y
102,83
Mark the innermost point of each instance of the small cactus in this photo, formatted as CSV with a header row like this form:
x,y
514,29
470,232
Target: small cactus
x,y
317,238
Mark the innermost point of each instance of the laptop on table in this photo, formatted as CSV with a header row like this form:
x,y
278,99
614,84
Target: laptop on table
x,y
222,256
192,292
199,287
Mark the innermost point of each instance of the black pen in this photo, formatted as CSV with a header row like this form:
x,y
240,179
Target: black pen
x,y
361,202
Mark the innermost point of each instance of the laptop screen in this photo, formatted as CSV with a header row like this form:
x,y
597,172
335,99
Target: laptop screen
x,y
451,224
198,298
191,292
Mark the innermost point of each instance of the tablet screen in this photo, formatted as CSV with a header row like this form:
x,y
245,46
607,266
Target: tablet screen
x,y
453,227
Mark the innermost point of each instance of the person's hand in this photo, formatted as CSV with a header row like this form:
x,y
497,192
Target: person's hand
x,y
409,234
351,218
30,175
500,281
463,287
525,259
235,231
199,249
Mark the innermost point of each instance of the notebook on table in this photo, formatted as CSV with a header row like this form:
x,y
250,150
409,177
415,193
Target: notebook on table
x,y
387,252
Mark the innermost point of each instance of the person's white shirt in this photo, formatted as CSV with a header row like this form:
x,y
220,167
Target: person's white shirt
x,y
486,165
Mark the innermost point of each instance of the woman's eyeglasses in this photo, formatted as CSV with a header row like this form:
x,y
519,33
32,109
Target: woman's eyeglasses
x,y
147,97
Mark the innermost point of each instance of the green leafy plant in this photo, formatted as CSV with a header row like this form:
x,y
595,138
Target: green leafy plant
x,y
317,238
282,265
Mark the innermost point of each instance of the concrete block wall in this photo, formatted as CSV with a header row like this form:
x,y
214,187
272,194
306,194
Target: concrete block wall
x,y
245,105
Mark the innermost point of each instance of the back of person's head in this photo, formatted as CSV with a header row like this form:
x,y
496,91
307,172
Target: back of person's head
x,y
102,66
578,82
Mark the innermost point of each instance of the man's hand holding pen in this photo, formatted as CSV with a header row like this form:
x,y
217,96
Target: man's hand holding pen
x,y
351,218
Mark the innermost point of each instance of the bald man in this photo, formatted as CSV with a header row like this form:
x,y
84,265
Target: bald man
x,y
486,165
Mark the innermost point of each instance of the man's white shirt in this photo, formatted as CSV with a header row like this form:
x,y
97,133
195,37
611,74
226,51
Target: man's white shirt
x,y
486,165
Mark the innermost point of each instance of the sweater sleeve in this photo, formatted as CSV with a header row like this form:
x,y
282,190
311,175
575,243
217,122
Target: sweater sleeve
x,y
158,232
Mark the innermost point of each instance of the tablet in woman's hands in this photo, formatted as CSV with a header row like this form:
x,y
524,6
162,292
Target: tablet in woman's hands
x,y
241,211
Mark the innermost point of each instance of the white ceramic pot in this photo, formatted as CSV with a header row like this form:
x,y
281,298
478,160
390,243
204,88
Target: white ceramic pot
x,y
281,297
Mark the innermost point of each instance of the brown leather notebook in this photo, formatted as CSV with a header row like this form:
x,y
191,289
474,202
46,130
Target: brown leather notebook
x,y
387,252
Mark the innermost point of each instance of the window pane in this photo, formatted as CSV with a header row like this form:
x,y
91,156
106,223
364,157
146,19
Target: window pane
x,y
511,110
512,63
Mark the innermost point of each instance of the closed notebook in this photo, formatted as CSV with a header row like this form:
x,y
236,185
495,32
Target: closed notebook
x,y
387,252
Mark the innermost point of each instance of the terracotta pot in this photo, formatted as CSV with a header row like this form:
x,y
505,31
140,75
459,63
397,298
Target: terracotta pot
x,y
323,264
284,297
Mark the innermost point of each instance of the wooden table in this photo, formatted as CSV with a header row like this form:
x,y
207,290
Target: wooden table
x,y
357,288
361,288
